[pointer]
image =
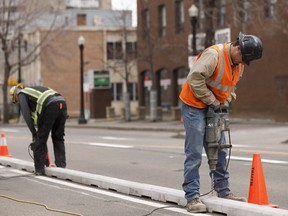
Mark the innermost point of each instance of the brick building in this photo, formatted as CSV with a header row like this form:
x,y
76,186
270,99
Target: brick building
x,y
163,30
59,63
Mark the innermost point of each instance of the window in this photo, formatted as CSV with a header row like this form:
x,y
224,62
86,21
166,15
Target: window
x,y
114,50
131,50
146,23
110,50
132,88
221,16
118,50
162,20
244,11
117,89
270,8
81,19
179,13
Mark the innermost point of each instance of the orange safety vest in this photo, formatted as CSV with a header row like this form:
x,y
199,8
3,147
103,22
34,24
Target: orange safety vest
x,y
221,83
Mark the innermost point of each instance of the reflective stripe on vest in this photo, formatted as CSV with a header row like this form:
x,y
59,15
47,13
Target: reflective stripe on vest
x,y
40,97
216,84
221,83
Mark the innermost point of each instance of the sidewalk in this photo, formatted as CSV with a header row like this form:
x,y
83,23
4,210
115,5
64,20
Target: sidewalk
x,y
167,124
134,124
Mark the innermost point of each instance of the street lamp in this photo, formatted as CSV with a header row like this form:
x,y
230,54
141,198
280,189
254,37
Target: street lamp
x,y
193,13
81,42
19,57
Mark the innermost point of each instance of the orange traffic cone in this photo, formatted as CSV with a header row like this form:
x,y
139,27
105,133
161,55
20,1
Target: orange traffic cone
x,y
48,162
3,146
257,191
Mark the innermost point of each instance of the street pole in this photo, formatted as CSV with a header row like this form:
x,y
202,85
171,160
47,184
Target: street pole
x,y
193,13
81,42
19,58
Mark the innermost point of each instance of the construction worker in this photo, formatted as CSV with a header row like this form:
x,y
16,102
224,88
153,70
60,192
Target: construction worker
x,y
44,110
211,82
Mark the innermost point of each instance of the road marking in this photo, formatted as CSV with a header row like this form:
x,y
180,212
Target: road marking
x,y
10,130
250,159
263,151
108,145
262,160
116,138
116,195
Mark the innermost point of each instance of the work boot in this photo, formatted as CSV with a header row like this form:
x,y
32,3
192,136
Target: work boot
x,y
231,196
196,206
40,172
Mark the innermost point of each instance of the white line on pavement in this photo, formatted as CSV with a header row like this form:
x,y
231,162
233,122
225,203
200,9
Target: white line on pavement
x,y
9,130
116,138
263,160
109,145
250,159
116,195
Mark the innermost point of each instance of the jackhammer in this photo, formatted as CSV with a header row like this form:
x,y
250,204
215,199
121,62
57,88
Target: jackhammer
x,y
217,122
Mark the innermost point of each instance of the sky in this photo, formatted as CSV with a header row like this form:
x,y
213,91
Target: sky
x,y
126,5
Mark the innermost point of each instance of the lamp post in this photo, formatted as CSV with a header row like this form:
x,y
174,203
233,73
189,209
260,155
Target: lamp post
x,y
19,58
193,13
81,120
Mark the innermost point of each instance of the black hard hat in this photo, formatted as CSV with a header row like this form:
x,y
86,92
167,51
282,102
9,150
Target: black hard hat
x,y
251,47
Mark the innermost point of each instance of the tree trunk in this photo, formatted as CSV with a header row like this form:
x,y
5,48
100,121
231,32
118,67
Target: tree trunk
x,y
4,89
209,29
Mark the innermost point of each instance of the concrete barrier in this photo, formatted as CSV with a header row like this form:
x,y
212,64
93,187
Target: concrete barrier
x,y
157,193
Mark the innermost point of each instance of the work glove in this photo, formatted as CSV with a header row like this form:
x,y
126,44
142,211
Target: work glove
x,y
34,137
225,105
32,146
215,105
33,143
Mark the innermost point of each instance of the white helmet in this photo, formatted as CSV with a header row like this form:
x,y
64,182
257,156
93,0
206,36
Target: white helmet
x,y
14,91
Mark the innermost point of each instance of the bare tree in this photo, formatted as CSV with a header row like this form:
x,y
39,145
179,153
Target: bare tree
x,y
125,56
17,17
153,42
243,14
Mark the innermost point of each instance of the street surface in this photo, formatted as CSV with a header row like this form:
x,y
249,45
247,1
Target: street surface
x,y
25,194
151,157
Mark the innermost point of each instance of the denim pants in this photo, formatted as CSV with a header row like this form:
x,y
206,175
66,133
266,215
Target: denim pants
x,y
194,122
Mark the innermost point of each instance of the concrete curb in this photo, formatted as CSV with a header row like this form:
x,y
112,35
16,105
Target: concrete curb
x,y
157,193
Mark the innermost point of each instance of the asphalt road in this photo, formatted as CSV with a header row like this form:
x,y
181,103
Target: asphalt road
x,y
157,157
25,194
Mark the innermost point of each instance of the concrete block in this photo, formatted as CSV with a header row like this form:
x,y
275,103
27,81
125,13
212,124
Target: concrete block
x,y
157,193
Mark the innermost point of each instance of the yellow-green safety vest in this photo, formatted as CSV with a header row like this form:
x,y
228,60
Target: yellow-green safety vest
x,y
40,99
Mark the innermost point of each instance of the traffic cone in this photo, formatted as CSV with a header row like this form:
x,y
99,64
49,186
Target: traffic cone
x,y
257,191
48,161
3,146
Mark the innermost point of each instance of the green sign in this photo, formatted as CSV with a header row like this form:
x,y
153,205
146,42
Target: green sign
x,y
101,79
102,82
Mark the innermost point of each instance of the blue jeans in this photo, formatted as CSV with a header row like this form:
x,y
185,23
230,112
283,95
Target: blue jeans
x,y
194,122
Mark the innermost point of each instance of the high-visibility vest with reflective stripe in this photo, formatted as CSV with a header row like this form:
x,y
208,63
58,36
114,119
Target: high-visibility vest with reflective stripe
x,y
221,83
40,99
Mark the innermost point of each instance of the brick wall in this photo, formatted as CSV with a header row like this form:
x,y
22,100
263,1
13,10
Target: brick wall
x,y
60,66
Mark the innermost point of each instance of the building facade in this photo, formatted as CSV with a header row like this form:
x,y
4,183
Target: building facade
x,y
110,47
163,31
